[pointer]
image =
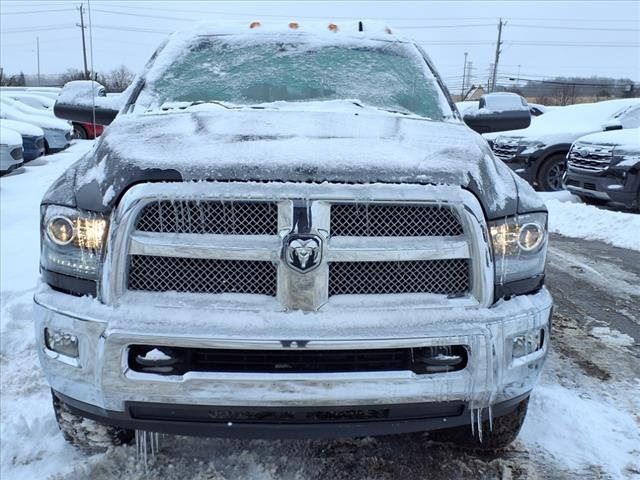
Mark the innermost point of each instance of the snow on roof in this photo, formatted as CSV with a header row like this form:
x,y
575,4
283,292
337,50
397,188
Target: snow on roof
x,y
360,27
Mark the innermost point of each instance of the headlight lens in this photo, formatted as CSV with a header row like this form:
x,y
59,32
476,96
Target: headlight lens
x,y
519,246
72,241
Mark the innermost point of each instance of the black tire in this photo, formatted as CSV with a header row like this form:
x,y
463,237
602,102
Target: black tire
x,y
79,132
86,434
505,430
550,174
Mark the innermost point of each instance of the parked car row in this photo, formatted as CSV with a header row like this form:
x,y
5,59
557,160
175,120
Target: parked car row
x,y
566,147
29,113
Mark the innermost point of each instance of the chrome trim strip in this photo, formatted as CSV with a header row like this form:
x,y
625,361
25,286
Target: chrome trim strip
x,y
193,245
368,249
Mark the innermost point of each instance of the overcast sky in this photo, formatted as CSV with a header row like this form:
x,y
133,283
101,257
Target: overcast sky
x,y
541,38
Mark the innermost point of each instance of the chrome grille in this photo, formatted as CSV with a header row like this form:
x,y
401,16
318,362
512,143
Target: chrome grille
x,y
504,151
448,277
201,275
590,160
213,217
378,220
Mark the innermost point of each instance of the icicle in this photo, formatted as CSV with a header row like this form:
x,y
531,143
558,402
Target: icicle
x,y
473,422
479,418
490,418
147,447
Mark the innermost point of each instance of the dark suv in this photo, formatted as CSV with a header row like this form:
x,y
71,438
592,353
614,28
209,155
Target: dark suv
x,y
605,167
538,153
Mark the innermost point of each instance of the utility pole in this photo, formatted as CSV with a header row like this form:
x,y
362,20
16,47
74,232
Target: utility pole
x,y
84,48
38,56
464,75
497,57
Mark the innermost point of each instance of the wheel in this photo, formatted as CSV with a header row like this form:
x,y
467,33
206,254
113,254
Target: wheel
x,y
505,430
86,434
79,132
551,172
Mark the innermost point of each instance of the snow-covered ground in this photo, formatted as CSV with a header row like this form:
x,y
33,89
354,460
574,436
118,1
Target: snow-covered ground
x,y
578,424
570,217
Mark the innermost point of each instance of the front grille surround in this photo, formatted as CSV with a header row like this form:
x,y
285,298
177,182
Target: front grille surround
x,y
295,290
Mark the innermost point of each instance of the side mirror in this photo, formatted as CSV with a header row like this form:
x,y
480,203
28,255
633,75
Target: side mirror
x,y
611,125
486,122
77,99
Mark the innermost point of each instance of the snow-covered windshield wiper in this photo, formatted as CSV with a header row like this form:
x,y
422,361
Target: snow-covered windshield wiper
x,y
166,106
390,110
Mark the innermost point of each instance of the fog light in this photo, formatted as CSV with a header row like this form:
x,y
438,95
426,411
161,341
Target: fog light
x,y
527,343
61,342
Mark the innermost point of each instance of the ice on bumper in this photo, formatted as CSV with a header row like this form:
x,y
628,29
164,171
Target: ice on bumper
x,y
103,378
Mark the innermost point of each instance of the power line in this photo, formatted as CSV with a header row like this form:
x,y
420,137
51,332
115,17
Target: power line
x,y
132,29
143,15
26,12
333,17
558,27
41,28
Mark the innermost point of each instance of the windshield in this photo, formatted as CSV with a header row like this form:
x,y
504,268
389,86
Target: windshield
x,y
388,75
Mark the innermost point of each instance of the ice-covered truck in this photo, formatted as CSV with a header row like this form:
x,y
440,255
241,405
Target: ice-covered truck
x,y
289,232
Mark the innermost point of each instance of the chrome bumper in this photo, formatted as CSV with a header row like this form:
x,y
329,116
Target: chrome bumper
x,y
100,376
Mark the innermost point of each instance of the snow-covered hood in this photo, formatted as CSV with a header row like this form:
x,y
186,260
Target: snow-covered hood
x,y
362,146
627,138
23,128
9,137
567,124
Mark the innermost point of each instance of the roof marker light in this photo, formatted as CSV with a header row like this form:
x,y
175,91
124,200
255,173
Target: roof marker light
x,y
294,25
255,25
333,27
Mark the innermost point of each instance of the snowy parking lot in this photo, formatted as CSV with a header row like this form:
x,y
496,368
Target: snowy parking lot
x,y
583,420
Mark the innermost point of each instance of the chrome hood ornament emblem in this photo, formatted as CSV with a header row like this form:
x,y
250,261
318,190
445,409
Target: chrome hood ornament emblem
x,y
302,252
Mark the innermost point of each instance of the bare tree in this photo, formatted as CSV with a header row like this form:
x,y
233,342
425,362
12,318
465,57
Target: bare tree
x,y
118,79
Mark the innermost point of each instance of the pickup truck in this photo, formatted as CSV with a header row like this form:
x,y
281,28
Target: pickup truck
x,y
289,232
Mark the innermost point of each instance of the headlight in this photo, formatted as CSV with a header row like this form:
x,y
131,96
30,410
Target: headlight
x,y
519,246
72,241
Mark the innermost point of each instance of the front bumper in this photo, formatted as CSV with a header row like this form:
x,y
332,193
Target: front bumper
x,y
101,385
605,186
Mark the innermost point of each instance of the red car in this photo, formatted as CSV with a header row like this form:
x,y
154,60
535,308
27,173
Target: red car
x,y
86,130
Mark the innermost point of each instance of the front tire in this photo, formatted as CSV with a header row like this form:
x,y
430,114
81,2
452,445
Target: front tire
x,y
86,434
504,432
551,173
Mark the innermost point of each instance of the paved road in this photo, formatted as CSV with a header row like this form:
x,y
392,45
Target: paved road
x,y
594,285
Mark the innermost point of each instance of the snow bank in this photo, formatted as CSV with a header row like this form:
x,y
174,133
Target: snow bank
x,y
585,430
570,218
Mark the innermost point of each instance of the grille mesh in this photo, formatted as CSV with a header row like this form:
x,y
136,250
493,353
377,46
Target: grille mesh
x,y
449,277
371,220
163,274
213,217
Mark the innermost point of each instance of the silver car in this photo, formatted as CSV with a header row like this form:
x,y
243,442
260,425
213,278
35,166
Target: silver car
x,y
10,150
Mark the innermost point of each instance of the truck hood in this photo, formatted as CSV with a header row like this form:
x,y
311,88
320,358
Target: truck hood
x,y
248,144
